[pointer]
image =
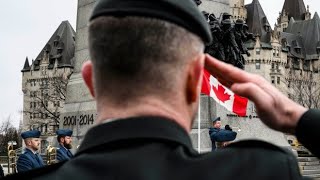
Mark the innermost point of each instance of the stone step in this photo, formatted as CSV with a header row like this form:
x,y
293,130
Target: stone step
x,y
310,167
310,172
309,163
307,159
313,176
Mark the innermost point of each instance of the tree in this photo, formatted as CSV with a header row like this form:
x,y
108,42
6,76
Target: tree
x,y
304,89
8,133
46,99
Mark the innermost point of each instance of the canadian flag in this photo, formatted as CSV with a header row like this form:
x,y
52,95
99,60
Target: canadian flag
x,y
213,88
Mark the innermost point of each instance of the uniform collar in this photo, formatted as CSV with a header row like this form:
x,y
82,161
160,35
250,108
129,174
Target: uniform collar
x,y
62,147
155,128
30,150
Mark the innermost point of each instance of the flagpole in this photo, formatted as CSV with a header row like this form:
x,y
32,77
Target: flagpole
x,y
199,119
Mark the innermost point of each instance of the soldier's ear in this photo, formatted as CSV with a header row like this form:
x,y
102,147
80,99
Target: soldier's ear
x,y
194,80
87,75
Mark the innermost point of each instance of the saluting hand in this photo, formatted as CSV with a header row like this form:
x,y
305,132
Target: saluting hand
x,y
273,108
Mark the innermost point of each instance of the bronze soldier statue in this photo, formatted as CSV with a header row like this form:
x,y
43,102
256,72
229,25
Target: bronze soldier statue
x,y
216,48
231,48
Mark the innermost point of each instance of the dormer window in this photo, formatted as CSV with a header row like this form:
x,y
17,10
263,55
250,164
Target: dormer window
x,y
318,50
289,47
266,24
56,41
59,50
267,28
298,50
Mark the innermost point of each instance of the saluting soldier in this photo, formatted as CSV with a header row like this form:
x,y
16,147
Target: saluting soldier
x,y
220,137
64,140
30,159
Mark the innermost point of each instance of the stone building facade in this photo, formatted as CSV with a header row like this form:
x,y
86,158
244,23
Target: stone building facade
x,y
288,55
44,84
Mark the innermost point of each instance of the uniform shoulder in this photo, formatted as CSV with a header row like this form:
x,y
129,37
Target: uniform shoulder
x,y
23,156
257,144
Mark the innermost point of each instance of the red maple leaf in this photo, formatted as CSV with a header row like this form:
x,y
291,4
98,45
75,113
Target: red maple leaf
x,y
221,94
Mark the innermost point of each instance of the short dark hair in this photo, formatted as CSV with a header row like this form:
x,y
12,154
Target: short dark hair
x,y
59,137
134,56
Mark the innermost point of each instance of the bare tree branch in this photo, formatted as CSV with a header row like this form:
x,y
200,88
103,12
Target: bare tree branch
x,y
45,103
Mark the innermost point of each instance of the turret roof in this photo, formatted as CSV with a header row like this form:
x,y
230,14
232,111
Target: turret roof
x,y
60,48
257,21
26,66
295,9
309,31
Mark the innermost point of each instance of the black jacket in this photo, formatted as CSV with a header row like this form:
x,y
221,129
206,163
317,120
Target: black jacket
x,y
158,148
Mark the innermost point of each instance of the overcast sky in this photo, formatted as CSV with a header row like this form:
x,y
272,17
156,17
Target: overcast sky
x,y
27,25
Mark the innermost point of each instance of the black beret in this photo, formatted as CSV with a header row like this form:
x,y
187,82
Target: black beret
x,y
64,132
31,134
216,119
184,13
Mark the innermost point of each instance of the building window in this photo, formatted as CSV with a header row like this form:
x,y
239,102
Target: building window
x,y
296,63
30,104
258,64
306,65
272,80
258,51
272,65
274,52
278,80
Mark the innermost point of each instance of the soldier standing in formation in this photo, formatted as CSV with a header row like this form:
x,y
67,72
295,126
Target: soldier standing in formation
x,y
30,159
64,140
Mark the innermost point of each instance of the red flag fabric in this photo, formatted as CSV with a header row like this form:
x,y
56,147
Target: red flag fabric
x,y
225,97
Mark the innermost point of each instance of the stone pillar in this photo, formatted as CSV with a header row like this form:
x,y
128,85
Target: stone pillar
x,y
207,113
79,111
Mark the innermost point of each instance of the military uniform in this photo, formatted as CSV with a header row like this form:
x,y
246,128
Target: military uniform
x,y
158,148
218,136
29,160
63,154
221,135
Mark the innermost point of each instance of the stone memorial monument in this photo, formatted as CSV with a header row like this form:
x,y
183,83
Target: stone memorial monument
x,y
79,111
